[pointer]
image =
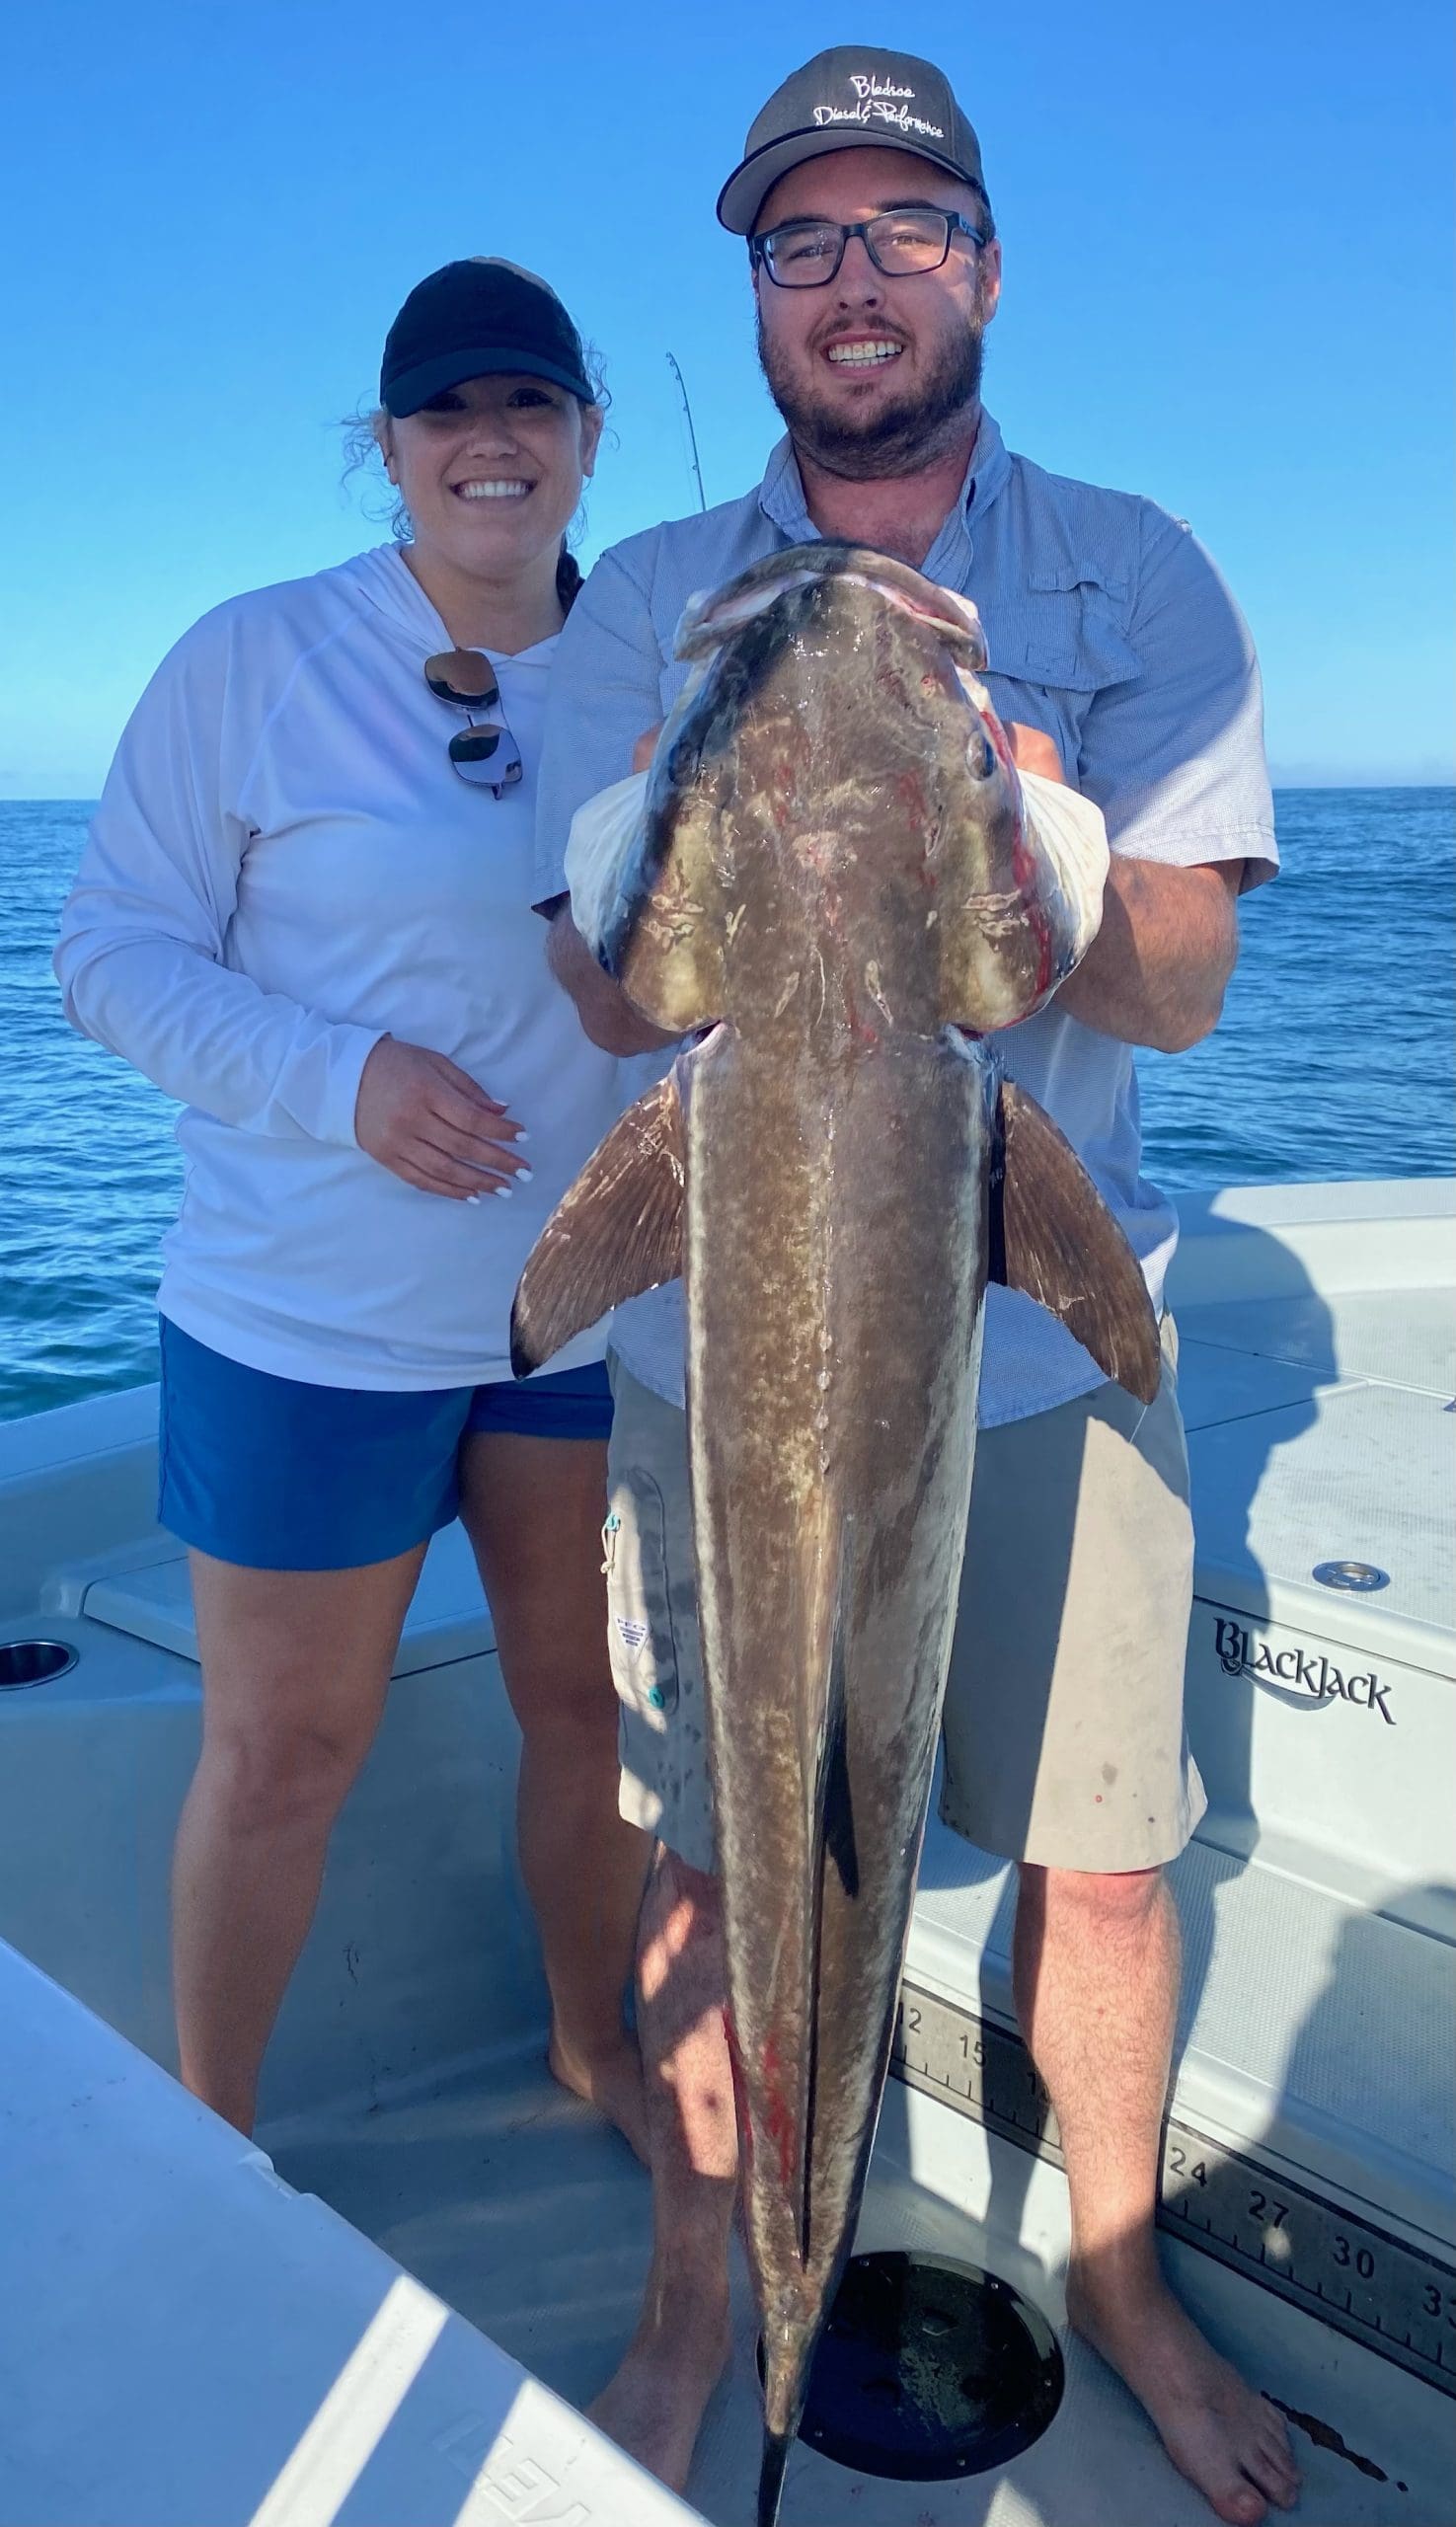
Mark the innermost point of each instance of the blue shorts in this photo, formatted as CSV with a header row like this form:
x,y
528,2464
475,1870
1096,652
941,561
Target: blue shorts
x,y
277,1474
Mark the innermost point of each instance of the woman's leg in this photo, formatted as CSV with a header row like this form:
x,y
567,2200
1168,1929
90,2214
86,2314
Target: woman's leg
x,y
296,1666
533,1508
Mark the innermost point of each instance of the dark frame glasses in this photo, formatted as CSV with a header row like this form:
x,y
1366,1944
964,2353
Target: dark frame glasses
x,y
483,752
774,244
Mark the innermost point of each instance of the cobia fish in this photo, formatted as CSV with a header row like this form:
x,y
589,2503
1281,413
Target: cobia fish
x,y
835,871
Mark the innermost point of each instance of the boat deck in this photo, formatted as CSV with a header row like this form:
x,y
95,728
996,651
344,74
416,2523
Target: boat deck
x,y
183,2337
523,2212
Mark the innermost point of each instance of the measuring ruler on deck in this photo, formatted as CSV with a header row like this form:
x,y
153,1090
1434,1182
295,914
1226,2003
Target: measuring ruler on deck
x,y
1332,2262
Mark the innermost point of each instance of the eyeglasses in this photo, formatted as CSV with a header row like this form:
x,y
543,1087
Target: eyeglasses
x,y
806,254
483,752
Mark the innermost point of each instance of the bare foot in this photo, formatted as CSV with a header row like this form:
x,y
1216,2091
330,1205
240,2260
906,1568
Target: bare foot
x,y
1226,2439
653,2407
611,2082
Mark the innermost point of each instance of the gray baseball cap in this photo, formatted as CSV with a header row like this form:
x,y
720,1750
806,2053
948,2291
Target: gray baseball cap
x,y
853,97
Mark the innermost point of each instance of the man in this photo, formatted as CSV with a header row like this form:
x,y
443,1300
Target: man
x,y
1120,660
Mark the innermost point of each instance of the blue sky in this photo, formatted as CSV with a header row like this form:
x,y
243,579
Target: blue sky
x,y
1227,285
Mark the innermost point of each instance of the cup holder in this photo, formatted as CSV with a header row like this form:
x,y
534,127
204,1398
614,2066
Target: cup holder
x,y
33,1662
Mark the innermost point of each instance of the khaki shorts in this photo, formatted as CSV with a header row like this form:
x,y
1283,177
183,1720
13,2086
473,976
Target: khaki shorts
x,y
1064,1740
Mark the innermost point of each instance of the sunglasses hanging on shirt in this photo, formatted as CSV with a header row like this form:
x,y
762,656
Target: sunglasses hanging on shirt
x,y
483,752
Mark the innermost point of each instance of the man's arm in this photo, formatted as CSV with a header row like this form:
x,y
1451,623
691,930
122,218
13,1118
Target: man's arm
x,y
1175,759
606,688
606,1014
1157,971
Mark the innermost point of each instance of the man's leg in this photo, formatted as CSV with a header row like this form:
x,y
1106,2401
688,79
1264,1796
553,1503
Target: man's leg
x,y
653,2405
1096,1976
1064,1749
533,1509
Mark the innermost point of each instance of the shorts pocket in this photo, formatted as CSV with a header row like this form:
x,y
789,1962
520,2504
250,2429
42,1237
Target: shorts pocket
x,y
639,1631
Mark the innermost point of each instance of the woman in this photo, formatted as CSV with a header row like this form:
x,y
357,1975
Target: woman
x,y
305,911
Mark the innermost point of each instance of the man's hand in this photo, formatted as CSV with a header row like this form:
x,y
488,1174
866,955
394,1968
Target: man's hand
x,y
606,1014
1158,968
426,1120
1034,751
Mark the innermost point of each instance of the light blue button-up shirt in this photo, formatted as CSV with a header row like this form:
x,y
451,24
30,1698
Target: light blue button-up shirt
x,y
1109,629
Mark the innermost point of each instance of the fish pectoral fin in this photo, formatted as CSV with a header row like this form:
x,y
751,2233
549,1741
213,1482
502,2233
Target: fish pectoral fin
x,y
1054,1236
616,1232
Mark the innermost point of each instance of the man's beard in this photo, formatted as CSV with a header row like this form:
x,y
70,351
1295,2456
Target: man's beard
x,y
898,437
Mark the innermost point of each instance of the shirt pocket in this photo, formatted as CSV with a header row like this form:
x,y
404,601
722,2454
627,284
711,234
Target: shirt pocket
x,y
1064,630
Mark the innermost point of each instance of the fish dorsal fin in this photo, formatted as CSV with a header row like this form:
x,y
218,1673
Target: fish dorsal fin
x,y
1054,1237
616,1232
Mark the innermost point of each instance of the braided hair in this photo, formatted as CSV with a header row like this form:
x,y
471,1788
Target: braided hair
x,y
568,579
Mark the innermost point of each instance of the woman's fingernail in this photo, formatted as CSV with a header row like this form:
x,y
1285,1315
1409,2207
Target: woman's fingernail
x,y
523,1174
504,1192
521,1135
472,1197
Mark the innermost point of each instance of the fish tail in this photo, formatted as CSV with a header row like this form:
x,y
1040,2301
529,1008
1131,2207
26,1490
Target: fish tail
x,y
771,2476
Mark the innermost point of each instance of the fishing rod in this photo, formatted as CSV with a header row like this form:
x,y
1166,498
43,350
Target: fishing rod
x,y
692,433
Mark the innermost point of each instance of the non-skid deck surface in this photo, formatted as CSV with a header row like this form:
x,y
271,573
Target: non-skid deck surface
x,y
523,2212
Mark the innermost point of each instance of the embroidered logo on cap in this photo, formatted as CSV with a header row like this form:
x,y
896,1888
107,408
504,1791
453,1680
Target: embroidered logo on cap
x,y
879,100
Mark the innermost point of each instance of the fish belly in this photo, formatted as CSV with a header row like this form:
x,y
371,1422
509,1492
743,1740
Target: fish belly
x,y
835,1262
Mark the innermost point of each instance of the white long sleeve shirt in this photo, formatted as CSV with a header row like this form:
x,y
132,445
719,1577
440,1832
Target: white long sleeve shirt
x,y
284,868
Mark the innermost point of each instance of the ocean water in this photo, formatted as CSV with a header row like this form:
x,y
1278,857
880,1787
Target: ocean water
x,y
1334,1059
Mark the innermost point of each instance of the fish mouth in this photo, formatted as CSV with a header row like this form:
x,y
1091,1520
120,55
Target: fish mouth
x,y
710,619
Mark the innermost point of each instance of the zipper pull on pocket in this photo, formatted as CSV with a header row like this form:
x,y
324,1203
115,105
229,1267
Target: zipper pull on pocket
x,y
609,1535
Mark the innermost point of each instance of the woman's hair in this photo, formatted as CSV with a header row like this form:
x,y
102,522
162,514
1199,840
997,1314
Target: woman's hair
x,y
383,504
568,578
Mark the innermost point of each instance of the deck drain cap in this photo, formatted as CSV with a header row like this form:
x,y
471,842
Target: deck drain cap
x,y
1359,1575
928,2370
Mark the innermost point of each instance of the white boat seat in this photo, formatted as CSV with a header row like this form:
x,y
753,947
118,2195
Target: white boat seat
x,y
448,1617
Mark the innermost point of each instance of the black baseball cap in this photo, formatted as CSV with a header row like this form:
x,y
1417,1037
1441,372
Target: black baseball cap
x,y
853,97
481,318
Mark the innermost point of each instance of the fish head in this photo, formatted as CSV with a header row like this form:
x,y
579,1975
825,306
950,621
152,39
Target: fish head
x,y
835,833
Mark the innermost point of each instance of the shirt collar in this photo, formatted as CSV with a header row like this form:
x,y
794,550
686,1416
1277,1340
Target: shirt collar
x,y
781,499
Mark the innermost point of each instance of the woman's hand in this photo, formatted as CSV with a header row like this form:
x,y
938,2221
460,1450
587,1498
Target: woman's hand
x,y
425,1119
